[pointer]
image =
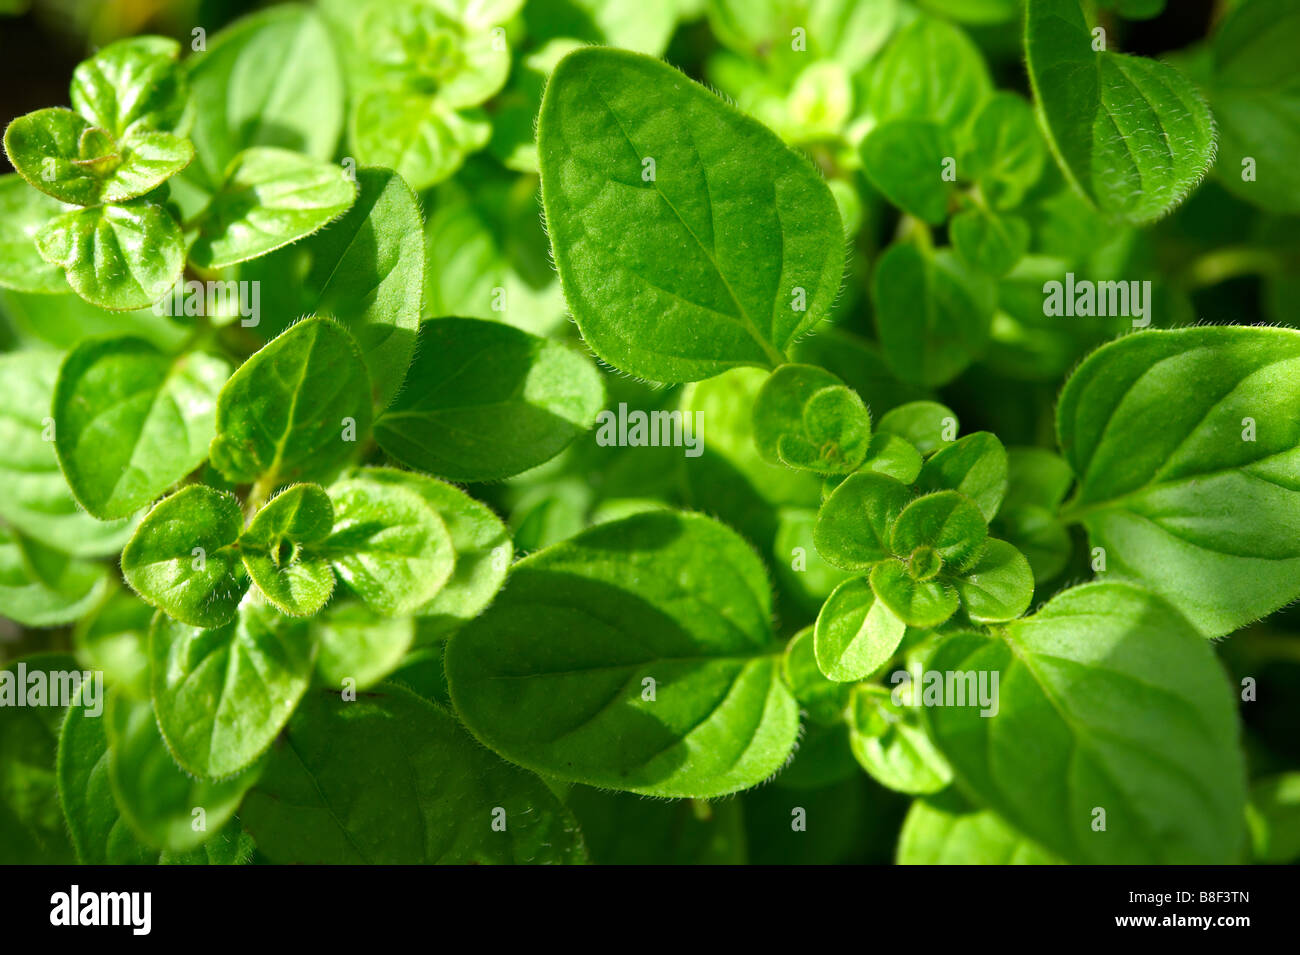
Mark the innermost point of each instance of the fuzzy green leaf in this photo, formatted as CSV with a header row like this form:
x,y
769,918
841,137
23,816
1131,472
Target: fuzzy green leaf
x,y
945,521
364,271
975,465
926,425
856,634
482,544
853,525
132,421
756,239
269,198
183,559
1186,444
62,154
420,136
918,603
822,698
1107,699
117,257
276,550
485,401
999,587
223,695
358,645
553,675
157,797
133,85
389,546
296,409
1131,133
806,418
890,743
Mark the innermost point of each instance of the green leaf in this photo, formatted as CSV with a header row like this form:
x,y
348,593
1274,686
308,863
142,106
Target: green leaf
x,y
893,457
918,603
975,465
904,159
999,587
365,272
269,198
31,827
223,695
1131,133
36,499
1107,700
931,71
357,645
806,418
932,314
853,525
23,211
132,421
133,85
157,797
988,242
856,634
42,587
822,698
99,831
481,542
1006,154
389,546
391,778
756,239
420,136
946,831
552,675
117,257
62,154
485,401
890,743
1256,96
1187,448
923,424
946,522
276,550
270,79
295,409
183,557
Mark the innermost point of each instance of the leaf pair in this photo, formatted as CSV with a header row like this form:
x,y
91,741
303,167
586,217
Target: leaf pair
x,y
193,559
806,418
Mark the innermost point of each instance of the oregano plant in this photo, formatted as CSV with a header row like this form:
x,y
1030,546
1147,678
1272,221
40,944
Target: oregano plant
x,y
870,428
